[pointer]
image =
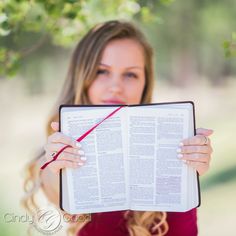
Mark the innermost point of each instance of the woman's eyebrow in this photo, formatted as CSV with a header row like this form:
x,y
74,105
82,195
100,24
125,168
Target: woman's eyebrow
x,y
130,67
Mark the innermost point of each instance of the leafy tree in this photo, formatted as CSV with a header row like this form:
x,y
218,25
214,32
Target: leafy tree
x,y
230,46
186,35
26,25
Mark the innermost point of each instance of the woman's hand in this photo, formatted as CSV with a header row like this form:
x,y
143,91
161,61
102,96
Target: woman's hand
x,y
72,157
197,150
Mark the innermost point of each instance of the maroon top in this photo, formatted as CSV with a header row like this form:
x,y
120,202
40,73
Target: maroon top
x,y
113,223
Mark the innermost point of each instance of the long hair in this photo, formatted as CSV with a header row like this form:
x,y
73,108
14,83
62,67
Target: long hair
x,y
81,74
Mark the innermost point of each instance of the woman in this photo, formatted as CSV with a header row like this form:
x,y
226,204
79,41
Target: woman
x,y
113,64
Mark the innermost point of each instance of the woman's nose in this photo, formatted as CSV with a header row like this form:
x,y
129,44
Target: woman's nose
x,y
115,84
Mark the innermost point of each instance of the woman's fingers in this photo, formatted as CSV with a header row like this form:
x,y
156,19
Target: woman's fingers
x,y
55,126
58,140
67,156
71,157
55,166
65,160
196,140
195,149
205,132
55,147
58,137
195,157
200,139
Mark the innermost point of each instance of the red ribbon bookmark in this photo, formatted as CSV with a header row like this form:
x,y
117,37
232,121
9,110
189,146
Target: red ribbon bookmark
x,y
80,138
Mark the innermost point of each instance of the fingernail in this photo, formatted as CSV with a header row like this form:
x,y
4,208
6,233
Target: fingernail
x,y
80,152
181,144
180,155
77,144
83,158
80,164
178,150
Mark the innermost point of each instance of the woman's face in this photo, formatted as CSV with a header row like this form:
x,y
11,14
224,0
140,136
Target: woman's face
x,y
120,76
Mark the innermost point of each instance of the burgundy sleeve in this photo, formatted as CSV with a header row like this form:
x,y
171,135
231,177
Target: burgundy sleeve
x,y
182,223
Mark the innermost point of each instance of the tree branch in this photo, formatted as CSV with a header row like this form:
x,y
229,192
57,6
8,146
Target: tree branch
x,y
25,52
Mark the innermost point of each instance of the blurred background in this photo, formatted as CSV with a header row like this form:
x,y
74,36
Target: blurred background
x,y
195,59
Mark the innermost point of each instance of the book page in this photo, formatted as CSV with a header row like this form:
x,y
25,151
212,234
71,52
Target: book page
x,y
99,185
194,193
158,179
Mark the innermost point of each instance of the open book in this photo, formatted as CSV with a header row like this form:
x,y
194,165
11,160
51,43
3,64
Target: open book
x,y
131,161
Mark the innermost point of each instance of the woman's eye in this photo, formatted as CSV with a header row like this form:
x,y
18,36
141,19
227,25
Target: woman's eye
x,y
101,72
131,75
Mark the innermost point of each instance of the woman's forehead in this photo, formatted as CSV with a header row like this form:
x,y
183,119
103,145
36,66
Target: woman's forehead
x,y
123,52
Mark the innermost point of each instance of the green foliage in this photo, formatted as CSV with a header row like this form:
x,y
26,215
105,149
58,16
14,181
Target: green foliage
x,y
62,21
187,32
230,46
9,62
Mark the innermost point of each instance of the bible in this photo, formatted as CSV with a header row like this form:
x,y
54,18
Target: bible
x,y
132,161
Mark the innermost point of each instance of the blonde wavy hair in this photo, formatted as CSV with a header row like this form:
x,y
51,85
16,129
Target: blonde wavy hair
x,y
82,72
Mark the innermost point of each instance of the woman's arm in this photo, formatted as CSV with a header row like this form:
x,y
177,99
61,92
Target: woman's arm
x,y
49,181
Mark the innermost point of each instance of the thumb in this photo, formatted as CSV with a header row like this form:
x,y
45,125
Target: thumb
x,y
205,132
55,126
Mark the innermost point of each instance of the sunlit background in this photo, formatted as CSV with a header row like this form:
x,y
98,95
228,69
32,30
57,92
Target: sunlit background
x,y
193,59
